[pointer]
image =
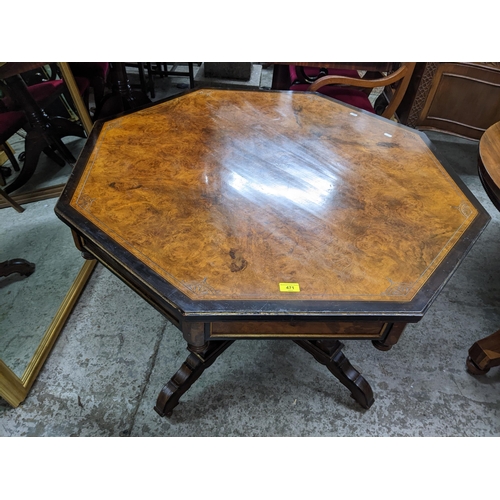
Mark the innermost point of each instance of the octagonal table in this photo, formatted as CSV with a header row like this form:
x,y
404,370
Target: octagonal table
x,y
284,215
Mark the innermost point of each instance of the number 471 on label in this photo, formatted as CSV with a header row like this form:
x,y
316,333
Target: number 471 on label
x,y
289,287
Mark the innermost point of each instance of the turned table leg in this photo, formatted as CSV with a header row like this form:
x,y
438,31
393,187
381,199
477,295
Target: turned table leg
x,y
199,359
329,353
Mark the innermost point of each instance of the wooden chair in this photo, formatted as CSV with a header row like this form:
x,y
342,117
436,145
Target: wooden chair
x,y
44,94
350,88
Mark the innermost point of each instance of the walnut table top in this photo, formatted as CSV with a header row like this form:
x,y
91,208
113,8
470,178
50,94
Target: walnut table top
x,y
227,194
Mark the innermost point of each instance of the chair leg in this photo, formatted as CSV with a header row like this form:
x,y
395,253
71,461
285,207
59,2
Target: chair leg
x,y
10,156
151,83
191,75
142,78
11,201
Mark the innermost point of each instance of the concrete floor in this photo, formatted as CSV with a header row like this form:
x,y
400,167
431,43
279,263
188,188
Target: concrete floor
x,y
116,353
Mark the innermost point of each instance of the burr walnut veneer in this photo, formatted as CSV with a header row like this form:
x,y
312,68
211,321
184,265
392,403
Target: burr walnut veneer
x,y
250,214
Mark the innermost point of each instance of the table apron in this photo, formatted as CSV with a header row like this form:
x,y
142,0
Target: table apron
x,y
298,329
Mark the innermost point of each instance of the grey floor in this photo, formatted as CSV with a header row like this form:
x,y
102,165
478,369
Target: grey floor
x,y
116,352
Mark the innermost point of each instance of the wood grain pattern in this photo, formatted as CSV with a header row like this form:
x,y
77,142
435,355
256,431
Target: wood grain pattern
x,y
226,194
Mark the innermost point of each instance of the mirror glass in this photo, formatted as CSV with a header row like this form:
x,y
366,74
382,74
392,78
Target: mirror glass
x,y
29,304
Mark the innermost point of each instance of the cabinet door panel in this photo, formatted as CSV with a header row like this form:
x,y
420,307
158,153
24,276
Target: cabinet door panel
x,y
463,100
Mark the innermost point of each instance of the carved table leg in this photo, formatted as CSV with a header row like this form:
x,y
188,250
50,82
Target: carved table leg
x,y
21,266
199,359
329,353
484,354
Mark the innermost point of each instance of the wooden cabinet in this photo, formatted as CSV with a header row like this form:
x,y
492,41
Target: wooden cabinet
x,y
458,98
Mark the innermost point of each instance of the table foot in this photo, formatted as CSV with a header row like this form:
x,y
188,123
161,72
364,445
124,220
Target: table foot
x,y
199,359
484,354
329,353
21,266
381,346
473,369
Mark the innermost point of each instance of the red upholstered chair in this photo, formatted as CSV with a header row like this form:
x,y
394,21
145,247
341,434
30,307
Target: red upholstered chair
x,y
352,89
46,127
45,93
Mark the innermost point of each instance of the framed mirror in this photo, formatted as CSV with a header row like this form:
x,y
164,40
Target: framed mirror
x,y
34,309
27,343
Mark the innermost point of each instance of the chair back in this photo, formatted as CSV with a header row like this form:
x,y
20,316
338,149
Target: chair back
x,y
395,83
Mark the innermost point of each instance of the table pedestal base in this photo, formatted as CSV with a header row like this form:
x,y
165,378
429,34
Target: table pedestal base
x,y
326,352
